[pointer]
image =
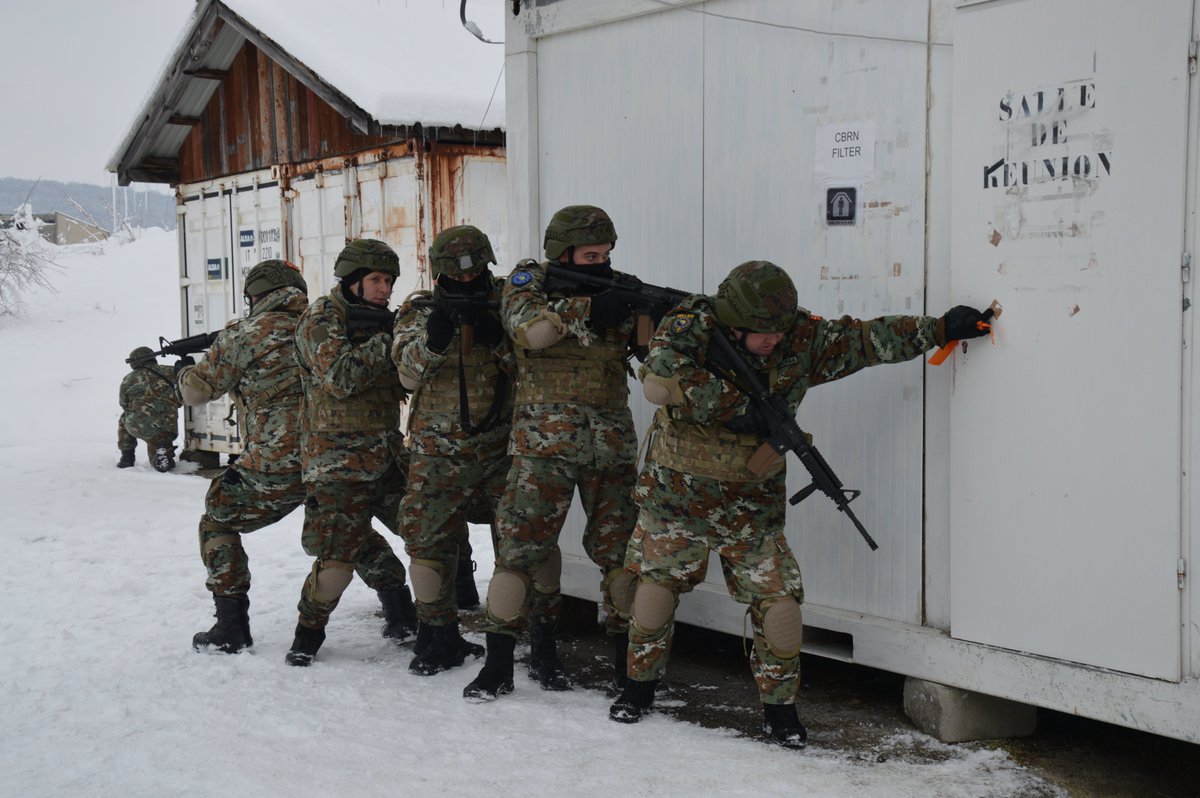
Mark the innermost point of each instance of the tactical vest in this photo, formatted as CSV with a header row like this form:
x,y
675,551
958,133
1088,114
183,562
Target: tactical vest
x,y
376,409
705,451
567,372
282,381
441,393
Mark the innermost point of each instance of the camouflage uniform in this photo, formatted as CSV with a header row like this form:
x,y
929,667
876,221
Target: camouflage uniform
x,y
453,470
695,493
254,360
149,405
572,428
353,458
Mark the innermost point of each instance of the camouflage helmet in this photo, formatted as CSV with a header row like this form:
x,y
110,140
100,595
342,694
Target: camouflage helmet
x,y
460,250
575,226
268,275
369,254
143,354
757,296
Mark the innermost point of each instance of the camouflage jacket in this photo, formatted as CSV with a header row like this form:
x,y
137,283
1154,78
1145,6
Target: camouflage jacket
x,y
149,401
254,360
813,351
572,396
352,396
435,409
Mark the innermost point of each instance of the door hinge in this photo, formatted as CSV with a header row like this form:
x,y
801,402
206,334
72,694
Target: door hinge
x,y
1185,266
1192,47
1180,573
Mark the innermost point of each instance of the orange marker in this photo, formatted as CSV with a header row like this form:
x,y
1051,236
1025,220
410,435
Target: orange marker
x,y
993,312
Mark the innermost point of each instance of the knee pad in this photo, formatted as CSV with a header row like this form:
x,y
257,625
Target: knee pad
x,y
653,606
547,577
621,585
782,626
506,595
426,578
330,579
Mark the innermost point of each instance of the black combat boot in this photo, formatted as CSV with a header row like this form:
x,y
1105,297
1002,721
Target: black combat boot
x,y
231,633
164,459
620,653
399,614
496,678
783,726
544,665
464,585
635,700
126,460
305,645
425,634
447,650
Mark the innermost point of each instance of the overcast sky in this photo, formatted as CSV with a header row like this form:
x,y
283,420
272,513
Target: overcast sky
x,y
73,74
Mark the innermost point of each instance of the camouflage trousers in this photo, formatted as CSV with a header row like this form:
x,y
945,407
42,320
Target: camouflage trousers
x,y
681,519
241,501
127,439
530,518
338,533
444,493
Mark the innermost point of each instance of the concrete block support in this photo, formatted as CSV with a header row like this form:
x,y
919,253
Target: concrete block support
x,y
954,716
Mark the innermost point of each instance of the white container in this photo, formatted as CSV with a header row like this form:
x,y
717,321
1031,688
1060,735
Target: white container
x,y
1032,499
306,214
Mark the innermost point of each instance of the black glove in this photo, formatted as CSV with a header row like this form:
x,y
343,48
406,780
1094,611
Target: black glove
x,y
750,420
488,330
959,323
439,329
183,362
609,309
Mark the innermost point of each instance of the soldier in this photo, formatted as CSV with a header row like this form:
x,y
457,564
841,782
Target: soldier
x,y
454,356
149,411
253,360
571,428
353,454
695,492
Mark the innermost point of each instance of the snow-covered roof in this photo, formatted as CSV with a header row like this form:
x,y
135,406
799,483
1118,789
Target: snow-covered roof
x,y
380,63
405,62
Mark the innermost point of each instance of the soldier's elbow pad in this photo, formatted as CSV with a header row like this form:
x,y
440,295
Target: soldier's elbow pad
x,y
408,381
192,389
541,333
662,390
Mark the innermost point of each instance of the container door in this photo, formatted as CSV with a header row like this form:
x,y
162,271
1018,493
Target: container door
x,y
1068,196
257,230
318,227
209,293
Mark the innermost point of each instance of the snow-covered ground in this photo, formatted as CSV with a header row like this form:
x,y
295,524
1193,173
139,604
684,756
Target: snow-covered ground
x,y
102,695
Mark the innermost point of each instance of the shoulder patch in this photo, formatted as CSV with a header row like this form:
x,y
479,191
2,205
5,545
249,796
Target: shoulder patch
x,y
682,322
520,277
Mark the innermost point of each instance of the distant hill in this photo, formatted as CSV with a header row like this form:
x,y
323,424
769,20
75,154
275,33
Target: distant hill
x,y
146,207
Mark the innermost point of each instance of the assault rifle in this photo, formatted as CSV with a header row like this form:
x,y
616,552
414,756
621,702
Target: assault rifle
x,y
650,301
369,320
785,433
463,308
185,346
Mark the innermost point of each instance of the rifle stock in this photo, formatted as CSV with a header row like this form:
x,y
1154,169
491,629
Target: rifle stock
x,y
360,318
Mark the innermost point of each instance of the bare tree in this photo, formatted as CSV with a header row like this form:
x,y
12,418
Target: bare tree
x,y
25,260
